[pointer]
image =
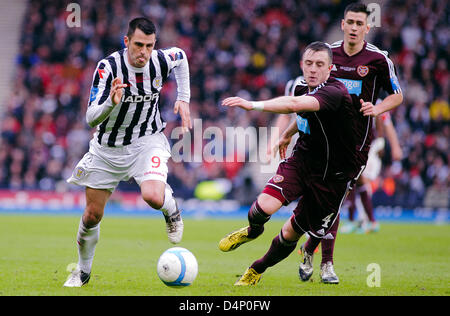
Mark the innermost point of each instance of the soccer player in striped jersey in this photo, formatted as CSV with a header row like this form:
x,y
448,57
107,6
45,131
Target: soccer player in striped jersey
x,y
129,143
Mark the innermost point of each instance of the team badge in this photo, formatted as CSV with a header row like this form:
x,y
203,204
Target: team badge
x,y
362,70
277,178
79,173
157,82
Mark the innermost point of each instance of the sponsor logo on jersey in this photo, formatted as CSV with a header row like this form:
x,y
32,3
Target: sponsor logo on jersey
x,y
139,98
353,86
362,70
345,68
303,125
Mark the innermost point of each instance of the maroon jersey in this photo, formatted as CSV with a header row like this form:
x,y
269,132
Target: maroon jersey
x,y
364,74
327,137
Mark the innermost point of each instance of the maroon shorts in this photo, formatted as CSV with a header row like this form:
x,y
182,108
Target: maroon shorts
x,y
320,199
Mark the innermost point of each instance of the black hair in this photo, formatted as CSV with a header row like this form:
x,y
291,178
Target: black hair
x,y
144,24
320,46
357,7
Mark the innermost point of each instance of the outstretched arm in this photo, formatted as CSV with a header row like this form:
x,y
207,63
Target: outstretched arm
x,y
283,105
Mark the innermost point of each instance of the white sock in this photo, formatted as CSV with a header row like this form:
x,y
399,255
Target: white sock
x,y
87,239
170,205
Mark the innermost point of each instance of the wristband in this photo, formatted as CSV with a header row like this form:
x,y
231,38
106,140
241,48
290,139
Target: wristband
x,y
258,106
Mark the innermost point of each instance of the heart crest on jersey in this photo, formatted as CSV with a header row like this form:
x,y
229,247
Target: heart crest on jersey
x,y
277,178
362,70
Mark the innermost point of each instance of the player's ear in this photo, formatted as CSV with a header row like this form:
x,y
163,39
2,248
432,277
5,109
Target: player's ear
x,y
342,24
126,40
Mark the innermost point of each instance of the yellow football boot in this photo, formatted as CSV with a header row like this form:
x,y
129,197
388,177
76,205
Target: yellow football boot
x,y
234,239
250,277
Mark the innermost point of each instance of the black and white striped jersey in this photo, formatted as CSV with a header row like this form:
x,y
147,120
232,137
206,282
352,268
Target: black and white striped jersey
x,y
289,89
138,114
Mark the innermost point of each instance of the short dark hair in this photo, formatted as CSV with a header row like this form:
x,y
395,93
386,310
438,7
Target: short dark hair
x,y
356,7
142,23
320,46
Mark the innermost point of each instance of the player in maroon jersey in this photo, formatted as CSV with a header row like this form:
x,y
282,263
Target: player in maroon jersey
x,y
364,69
321,170
384,129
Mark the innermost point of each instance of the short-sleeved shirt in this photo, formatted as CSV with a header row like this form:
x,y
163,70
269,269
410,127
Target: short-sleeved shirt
x,y
327,137
323,164
364,75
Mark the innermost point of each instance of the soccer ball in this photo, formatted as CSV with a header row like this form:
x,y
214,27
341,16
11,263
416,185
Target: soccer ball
x,y
177,267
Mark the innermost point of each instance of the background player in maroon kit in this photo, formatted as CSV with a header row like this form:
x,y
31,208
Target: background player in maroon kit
x,y
364,69
384,128
321,169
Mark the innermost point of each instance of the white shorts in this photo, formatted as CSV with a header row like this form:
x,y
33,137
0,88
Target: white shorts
x,y
104,167
373,167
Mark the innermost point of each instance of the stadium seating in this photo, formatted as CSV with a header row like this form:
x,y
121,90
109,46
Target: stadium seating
x,y
249,48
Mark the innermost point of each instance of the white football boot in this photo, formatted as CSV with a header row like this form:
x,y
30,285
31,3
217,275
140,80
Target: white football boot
x,y
174,227
78,278
327,273
305,270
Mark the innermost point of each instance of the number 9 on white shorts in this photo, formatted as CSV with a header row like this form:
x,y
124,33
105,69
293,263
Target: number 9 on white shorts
x,y
104,167
152,165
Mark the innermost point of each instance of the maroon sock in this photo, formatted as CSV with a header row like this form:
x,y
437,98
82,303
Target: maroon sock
x,y
311,244
256,218
366,200
279,250
328,243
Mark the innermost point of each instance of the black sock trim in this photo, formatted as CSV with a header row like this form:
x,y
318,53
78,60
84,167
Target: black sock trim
x,y
287,243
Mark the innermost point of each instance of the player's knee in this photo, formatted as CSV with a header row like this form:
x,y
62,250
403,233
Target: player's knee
x,y
154,200
269,203
288,232
92,216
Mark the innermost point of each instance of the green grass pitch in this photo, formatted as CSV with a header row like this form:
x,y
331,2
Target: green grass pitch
x,y
36,250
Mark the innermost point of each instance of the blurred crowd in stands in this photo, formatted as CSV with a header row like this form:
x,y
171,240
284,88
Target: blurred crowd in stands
x,y
417,36
248,48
